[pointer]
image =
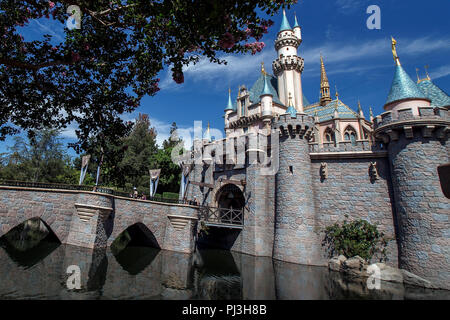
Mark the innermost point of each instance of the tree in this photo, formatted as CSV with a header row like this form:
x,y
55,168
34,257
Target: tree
x,y
41,158
140,147
170,171
103,69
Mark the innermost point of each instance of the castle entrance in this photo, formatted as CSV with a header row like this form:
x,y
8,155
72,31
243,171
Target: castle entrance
x,y
230,197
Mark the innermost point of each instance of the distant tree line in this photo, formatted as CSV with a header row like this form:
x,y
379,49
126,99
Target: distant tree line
x,y
126,161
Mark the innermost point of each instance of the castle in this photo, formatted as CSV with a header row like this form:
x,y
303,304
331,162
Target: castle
x,y
294,168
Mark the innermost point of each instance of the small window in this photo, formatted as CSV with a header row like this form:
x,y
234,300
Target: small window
x,y
291,169
245,129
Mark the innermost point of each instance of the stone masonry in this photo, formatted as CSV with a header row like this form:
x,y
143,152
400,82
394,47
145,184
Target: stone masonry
x,y
94,220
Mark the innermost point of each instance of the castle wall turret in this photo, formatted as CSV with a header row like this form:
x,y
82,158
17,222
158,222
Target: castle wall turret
x,y
296,239
416,147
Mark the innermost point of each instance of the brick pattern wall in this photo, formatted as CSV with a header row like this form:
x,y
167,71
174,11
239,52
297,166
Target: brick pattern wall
x,y
57,209
296,239
349,190
423,211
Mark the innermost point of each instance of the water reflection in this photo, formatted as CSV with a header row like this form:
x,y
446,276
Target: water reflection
x,y
39,272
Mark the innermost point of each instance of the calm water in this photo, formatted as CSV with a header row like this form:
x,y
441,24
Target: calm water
x,y
34,269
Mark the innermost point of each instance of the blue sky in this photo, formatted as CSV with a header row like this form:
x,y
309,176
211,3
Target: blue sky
x,y
358,60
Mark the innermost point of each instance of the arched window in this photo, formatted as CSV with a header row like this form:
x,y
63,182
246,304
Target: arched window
x,y
329,135
350,135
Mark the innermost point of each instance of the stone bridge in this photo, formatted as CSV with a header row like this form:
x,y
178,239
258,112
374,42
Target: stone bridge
x,y
95,220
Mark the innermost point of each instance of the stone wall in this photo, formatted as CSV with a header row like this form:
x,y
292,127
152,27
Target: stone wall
x,y
94,220
349,190
423,210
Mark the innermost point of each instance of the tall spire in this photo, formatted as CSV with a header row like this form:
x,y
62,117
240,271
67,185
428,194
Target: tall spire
x,y
285,23
207,134
230,103
371,114
266,90
291,110
360,111
296,22
324,85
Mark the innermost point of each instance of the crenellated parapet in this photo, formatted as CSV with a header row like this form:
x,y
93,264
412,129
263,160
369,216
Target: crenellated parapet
x,y
343,146
286,63
427,120
287,39
302,125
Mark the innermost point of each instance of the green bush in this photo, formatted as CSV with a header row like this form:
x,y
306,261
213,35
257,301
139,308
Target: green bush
x,y
356,238
170,195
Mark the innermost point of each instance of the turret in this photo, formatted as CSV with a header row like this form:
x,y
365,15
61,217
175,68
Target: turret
x,y
229,109
266,103
297,29
288,66
296,232
415,134
207,135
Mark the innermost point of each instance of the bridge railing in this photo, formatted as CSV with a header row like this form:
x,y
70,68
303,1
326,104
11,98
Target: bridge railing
x,y
99,189
222,215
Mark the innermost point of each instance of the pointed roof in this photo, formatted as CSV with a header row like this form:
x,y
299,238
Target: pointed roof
x,y
323,74
296,25
324,84
285,23
437,96
291,110
403,87
230,103
207,134
266,90
326,112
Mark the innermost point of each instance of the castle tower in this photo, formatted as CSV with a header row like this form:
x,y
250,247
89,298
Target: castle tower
x,y
288,67
325,96
229,109
266,104
296,239
416,135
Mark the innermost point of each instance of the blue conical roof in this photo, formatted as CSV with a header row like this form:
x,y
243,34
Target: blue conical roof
x,y
403,87
437,96
230,103
291,110
207,135
266,90
285,23
296,22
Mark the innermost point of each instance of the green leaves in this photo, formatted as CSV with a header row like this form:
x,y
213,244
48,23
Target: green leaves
x,y
115,57
354,238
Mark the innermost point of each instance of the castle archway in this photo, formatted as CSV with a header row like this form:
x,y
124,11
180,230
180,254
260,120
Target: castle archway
x,y
230,196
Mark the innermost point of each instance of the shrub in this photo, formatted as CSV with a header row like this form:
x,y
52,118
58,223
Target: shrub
x,y
356,238
170,195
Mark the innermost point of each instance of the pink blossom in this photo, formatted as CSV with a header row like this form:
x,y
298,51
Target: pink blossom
x,y
51,4
255,46
227,42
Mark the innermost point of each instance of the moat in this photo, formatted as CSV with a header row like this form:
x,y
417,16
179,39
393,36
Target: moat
x,y
32,268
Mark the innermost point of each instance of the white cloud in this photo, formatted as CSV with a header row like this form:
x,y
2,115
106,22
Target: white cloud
x,y
237,68
440,72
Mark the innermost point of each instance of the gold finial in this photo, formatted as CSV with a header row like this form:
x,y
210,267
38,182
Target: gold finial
x,y
426,71
263,71
417,73
394,51
337,93
229,90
